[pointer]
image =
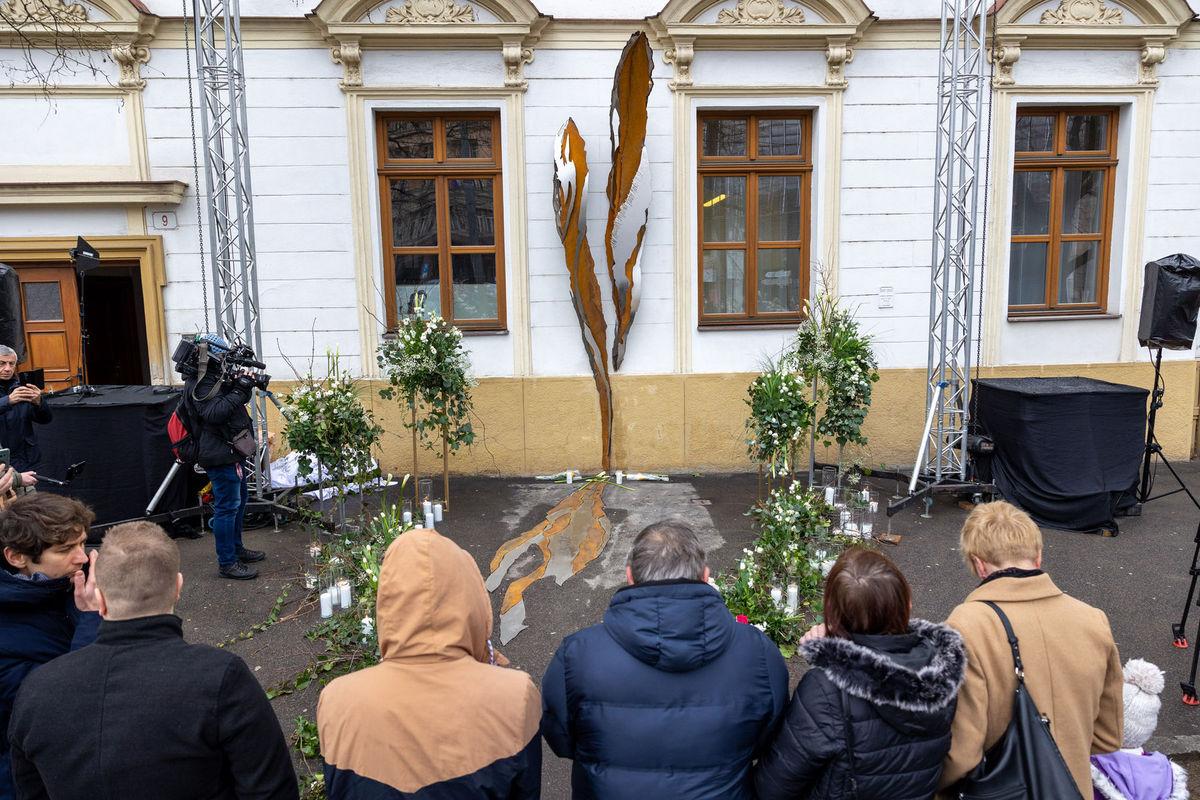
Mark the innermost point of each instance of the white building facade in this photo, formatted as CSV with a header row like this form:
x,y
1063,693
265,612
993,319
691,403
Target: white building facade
x,y
406,146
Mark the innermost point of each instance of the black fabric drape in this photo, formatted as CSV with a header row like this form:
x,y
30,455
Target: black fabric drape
x,y
1068,450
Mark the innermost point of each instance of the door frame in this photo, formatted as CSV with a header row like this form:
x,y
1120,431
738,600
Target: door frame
x,y
145,251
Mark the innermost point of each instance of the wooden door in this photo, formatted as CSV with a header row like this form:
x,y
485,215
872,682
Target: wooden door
x,y
50,306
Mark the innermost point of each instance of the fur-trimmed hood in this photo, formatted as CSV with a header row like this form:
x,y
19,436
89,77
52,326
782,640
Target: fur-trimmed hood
x,y
919,673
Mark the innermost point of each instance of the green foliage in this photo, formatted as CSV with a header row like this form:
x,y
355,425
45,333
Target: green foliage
x,y
427,369
780,416
312,787
832,351
305,739
271,619
326,419
794,547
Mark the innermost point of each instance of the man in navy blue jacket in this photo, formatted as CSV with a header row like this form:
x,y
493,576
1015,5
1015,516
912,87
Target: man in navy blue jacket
x,y
47,604
670,697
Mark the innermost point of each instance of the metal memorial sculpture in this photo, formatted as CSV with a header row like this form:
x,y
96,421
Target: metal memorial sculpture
x,y
571,536
570,211
628,184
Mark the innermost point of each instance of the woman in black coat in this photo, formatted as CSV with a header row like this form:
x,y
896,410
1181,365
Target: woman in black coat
x,y
871,718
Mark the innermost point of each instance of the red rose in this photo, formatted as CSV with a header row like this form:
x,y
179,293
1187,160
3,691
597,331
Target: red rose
x,y
742,618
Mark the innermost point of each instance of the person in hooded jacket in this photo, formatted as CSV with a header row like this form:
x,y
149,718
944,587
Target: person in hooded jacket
x,y
871,719
670,697
436,717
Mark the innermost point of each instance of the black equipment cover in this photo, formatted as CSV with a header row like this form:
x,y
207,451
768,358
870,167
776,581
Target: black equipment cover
x,y
1026,763
1068,450
12,325
1170,302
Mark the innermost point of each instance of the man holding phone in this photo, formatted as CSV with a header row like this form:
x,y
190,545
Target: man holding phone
x,y
20,407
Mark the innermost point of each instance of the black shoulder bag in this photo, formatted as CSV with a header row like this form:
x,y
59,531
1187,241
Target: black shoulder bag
x,y
1025,764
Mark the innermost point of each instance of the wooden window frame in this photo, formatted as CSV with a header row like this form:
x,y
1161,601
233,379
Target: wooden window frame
x,y
441,170
1058,163
751,166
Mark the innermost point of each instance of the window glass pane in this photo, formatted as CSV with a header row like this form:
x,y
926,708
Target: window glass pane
x,y
778,280
1087,132
1083,195
43,302
468,138
414,213
471,219
724,282
410,138
724,208
1031,203
778,208
779,137
1077,270
724,137
417,283
1035,133
474,285
1027,274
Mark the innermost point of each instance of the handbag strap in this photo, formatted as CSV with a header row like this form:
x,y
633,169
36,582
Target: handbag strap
x,y
849,729
1012,641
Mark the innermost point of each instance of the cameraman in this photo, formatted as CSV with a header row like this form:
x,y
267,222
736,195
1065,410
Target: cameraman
x,y
20,407
218,409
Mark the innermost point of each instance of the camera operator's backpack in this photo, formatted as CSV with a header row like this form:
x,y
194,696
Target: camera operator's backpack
x,y
184,444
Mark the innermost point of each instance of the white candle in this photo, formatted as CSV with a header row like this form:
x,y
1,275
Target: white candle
x,y
868,530
408,518
326,603
793,598
866,495
344,593
427,508
437,512
776,596
620,477
429,521
874,507
830,494
570,476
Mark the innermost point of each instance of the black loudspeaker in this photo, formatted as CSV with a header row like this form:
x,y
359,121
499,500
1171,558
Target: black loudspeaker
x,y
12,326
1170,302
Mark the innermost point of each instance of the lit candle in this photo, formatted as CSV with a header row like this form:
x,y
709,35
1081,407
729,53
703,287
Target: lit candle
x,y
570,476
429,521
344,593
793,598
874,507
326,603
437,512
620,477
776,596
427,508
868,529
866,495
830,494
408,518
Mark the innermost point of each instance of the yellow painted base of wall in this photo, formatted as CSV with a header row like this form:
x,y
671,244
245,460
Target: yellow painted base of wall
x,y
696,423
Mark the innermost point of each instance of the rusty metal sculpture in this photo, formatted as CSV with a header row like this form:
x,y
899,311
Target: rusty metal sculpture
x,y
628,184
573,533
570,210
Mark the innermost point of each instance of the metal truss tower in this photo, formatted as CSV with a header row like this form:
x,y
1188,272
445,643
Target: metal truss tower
x,y
226,153
956,216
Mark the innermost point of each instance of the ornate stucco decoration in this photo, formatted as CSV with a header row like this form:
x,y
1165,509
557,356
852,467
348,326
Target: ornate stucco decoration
x,y
1153,54
55,12
761,12
1005,55
349,55
129,58
427,11
1083,12
515,56
685,27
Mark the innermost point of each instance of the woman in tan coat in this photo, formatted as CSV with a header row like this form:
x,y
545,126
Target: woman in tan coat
x,y
1072,667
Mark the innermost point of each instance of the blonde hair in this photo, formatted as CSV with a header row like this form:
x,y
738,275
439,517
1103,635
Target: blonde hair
x,y
1000,533
136,570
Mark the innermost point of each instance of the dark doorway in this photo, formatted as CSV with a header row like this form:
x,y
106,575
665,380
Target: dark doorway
x,y
116,351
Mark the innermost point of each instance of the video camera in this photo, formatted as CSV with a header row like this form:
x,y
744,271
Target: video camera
x,y
231,360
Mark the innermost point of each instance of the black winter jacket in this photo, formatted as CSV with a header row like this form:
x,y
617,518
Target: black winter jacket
x,y
900,694
143,714
16,427
219,417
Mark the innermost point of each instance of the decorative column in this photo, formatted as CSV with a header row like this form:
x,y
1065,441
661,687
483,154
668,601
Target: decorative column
x,y
129,58
680,55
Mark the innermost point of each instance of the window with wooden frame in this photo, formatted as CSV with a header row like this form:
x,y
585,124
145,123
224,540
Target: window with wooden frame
x,y
1065,169
754,177
440,195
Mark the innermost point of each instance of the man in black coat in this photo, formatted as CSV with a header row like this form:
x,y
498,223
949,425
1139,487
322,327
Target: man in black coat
x,y
141,713
47,605
218,416
20,407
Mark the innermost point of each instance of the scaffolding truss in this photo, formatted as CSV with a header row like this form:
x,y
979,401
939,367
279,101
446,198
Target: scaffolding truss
x,y
962,88
226,157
